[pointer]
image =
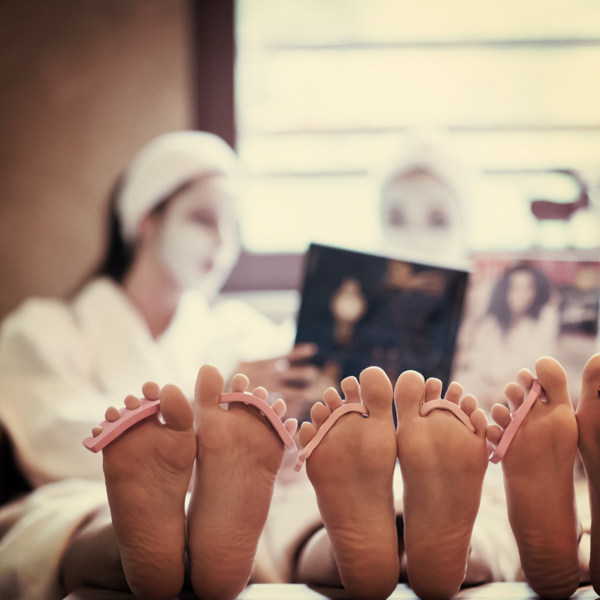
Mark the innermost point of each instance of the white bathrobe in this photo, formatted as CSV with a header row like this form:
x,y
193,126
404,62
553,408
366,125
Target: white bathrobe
x,y
61,365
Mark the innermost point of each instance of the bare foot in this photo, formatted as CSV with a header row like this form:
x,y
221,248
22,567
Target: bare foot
x,y
538,477
147,472
588,419
239,456
352,472
443,465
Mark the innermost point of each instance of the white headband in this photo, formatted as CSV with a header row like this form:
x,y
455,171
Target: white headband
x,y
163,165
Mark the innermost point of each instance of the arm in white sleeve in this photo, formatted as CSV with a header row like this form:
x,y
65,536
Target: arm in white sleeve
x,y
48,399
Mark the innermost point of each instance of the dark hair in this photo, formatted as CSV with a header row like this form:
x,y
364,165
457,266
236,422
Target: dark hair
x,y
119,254
499,308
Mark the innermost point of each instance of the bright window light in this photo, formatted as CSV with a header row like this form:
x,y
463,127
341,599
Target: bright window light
x,y
328,91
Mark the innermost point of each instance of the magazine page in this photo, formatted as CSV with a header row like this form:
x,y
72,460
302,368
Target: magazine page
x,y
520,307
365,309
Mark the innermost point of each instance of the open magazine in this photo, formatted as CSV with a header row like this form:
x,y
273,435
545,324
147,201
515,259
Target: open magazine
x,y
520,307
366,309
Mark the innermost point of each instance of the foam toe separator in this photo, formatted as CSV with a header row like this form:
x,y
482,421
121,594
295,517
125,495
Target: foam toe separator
x,y
329,423
516,419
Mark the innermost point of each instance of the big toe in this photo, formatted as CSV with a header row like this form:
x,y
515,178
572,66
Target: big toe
x,y
408,394
175,408
209,386
590,388
553,379
376,391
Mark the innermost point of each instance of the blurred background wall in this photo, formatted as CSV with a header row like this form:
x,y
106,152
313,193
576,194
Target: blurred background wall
x,y
83,84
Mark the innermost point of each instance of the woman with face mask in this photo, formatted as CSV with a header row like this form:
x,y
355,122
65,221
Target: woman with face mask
x,y
147,315
422,199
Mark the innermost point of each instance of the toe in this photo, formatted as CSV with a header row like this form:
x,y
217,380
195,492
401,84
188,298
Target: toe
x,y
515,395
525,379
501,415
590,384
261,392
151,390
433,389
479,421
351,389
553,379
318,414
493,434
332,399
239,383
175,408
468,404
454,393
376,391
112,414
96,431
132,402
291,426
307,433
279,407
209,386
408,394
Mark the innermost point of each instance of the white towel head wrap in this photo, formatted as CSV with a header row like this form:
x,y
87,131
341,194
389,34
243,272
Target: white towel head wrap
x,y
163,165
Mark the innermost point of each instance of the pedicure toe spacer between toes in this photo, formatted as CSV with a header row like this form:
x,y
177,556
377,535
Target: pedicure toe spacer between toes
x,y
329,423
264,408
516,419
113,429
456,410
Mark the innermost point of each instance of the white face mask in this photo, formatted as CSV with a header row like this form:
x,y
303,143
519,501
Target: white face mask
x,y
420,213
198,241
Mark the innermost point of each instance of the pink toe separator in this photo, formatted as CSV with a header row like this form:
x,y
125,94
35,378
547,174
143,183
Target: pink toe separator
x,y
517,418
113,429
329,423
455,409
266,410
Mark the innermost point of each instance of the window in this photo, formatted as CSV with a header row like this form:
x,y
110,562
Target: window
x,y
329,90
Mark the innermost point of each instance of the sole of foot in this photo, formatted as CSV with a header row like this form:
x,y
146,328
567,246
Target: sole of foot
x,y
443,465
239,457
588,419
147,471
538,478
352,471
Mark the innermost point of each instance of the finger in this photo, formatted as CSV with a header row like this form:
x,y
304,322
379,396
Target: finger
x,y
302,351
304,373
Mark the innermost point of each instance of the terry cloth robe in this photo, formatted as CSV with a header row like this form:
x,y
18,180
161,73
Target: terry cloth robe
x,y
61,366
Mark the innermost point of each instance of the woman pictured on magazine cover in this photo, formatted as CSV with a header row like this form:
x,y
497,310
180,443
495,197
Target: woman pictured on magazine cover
x,y
520,325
